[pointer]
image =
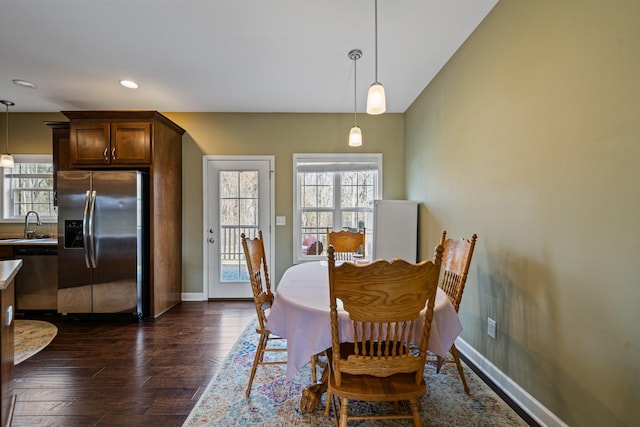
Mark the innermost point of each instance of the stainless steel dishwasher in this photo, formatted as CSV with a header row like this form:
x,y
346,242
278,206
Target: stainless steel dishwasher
x,y
36,283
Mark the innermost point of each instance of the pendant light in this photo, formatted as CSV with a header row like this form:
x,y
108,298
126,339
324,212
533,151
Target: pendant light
x,y
376,100
355,135
6,161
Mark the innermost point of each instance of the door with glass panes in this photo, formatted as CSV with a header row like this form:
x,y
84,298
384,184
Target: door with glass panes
x,y
238,197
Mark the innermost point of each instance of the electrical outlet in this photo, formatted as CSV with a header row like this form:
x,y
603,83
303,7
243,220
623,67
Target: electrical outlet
x,y
491,327
281,220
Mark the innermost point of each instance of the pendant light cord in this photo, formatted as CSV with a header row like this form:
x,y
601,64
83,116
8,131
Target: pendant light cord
x,y
355,94
7,124
376,32
354,55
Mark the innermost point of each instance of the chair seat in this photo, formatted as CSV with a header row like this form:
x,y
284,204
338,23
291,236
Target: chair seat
x,y
378,389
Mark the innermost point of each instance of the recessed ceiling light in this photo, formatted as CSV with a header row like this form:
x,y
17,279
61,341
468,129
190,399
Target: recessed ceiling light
x,y
129,84
24,83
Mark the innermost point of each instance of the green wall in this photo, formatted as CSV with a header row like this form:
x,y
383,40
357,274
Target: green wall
x,y
530,137
279,135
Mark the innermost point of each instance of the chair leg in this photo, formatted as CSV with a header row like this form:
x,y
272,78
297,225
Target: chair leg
x,y
344,411
415,411
327,405
258,358
454,352
314,361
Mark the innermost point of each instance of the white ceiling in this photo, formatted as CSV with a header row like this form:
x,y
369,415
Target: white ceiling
x,y
225,55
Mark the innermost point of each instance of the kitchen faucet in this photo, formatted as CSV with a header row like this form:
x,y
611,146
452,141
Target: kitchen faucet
x,y
29,234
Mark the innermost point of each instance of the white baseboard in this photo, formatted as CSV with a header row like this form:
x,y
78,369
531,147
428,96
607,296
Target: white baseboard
x,y
193,296
524,400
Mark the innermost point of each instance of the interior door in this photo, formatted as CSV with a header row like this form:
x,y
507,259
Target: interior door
x,y
238,199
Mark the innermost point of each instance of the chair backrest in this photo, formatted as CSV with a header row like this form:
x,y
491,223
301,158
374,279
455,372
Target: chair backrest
x,y
346,243
258,275
384,300
456,259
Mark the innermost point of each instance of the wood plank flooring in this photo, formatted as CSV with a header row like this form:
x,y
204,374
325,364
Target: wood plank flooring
x,y
119,372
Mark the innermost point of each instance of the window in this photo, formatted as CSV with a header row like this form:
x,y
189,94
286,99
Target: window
x,y
28,186
332,191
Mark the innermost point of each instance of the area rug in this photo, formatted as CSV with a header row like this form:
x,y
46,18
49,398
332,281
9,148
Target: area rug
x,y
31,336
275,402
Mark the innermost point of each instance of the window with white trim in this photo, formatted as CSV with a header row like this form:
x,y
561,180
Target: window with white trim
x,y
331,191
28,186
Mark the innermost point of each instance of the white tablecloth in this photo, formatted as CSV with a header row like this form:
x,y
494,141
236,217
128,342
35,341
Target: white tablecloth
x,y
300,313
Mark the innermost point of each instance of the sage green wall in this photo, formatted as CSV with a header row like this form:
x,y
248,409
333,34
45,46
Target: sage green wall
x,y
279,135
530,137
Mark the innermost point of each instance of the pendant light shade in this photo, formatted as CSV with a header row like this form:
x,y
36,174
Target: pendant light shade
x,y
376,99
6,161
355,134
355,137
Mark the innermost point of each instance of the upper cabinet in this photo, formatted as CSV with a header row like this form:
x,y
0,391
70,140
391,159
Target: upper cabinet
x,y
103,139
118,143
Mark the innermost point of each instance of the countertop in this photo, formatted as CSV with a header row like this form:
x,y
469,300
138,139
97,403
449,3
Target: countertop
x,y
8,271
51,241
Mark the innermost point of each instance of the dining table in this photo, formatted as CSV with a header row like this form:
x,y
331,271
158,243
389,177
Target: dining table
x,y
300,314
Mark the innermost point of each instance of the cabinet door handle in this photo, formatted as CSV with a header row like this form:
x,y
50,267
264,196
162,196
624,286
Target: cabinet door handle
x,y
105,154
113,153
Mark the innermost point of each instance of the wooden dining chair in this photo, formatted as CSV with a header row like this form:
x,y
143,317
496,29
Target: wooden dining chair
x,y
263,299
384,300
346,243
456,260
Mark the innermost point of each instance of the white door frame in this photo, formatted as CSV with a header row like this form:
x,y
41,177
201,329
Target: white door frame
x,y
206,246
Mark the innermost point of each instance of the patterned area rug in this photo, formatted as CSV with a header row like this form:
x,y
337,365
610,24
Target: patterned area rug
x,y
275,402
31,336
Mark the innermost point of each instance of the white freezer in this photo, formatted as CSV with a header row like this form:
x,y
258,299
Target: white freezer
x,y
392,230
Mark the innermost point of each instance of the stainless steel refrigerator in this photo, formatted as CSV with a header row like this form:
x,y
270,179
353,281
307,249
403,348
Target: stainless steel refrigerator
x,y
102,241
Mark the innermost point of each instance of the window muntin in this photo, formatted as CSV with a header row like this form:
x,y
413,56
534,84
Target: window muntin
x,y
332,191
28,186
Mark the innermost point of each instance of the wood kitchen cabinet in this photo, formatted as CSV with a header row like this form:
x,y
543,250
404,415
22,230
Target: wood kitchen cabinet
x,y
147,141
60,134
6,252
8,270
109,143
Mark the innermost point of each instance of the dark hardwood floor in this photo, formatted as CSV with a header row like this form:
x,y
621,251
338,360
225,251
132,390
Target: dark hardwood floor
x,y
116,372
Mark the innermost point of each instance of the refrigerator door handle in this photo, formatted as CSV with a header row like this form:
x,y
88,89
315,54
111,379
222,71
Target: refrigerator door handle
x,y
85,228
91,239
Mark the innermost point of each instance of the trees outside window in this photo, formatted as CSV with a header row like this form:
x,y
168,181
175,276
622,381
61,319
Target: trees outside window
x,y
28,186
333,191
